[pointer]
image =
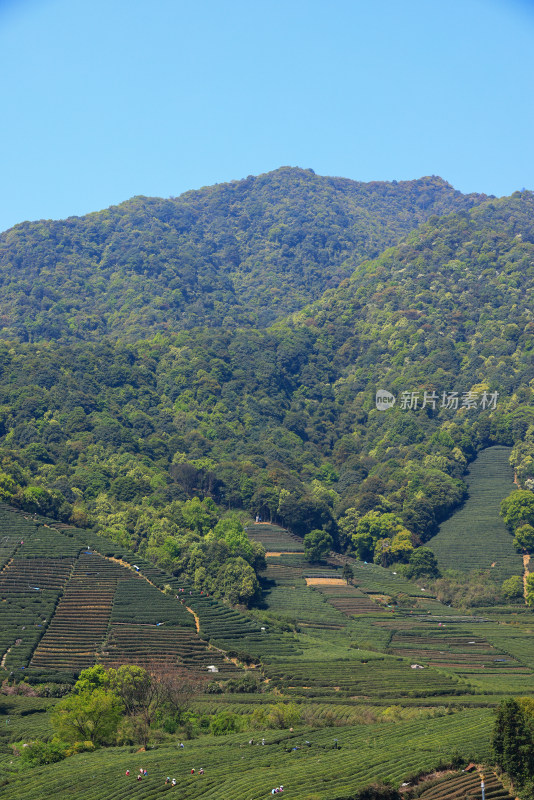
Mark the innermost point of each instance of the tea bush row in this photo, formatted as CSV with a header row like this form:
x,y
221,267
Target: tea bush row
x,y
233,768
137,601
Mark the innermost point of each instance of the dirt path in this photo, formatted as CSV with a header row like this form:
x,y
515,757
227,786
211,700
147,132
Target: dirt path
x,y
197,618
3,662
7,565
526,572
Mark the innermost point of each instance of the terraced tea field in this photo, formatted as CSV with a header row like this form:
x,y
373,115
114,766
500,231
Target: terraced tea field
x,y
275,539
304,761
381,641
373,677
304,606
466,785
173,647
138,602
59,615
401,619
350,600
475,537
373,579
75,634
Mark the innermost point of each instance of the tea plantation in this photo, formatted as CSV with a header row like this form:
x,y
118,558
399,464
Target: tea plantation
x,y
384,682
306,762
488,544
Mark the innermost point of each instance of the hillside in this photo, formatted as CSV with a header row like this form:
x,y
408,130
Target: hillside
x,y
282,422
243,253
156,450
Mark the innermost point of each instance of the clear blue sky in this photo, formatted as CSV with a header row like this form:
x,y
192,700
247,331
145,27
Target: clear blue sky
x,y
106,99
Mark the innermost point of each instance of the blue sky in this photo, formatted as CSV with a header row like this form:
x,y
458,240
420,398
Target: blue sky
x,y
107,99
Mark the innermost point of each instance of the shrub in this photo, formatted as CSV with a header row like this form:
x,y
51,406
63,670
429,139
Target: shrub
x,y
224,723
36,753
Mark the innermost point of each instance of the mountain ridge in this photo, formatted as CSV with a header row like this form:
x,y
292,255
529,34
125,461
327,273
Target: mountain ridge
x,y
243,253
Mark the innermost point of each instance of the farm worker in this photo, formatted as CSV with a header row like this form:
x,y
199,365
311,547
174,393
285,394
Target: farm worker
x,y
145,772
141,770
167,779
192,772
174,781
127,771
201,771
139,777
181,744
263,741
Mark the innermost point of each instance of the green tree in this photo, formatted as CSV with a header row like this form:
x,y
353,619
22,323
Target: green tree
x,y
317,544
513,741
95,677
348,525
37,753
231,531
199,515
134,686
513,588
388,551
518,509
238,582
375,526
423,563
524,538
88,716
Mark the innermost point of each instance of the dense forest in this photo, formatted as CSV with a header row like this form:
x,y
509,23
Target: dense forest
x,y
243,253
153,380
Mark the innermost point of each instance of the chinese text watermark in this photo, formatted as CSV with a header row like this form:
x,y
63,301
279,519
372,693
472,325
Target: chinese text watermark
x,y
413,401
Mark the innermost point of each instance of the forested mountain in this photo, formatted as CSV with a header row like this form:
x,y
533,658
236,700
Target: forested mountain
x,y
242,253
152,440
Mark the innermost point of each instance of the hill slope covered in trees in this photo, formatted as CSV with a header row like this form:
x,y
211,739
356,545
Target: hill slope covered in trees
x,y
242,253
282,421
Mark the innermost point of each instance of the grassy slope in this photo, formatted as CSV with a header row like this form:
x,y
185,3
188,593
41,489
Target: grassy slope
x,y
475,537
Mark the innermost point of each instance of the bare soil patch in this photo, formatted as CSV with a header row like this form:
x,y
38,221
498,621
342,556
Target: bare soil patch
x,y
326,582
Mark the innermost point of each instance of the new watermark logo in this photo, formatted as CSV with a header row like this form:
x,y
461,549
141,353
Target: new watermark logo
x,y
384,400
414,401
